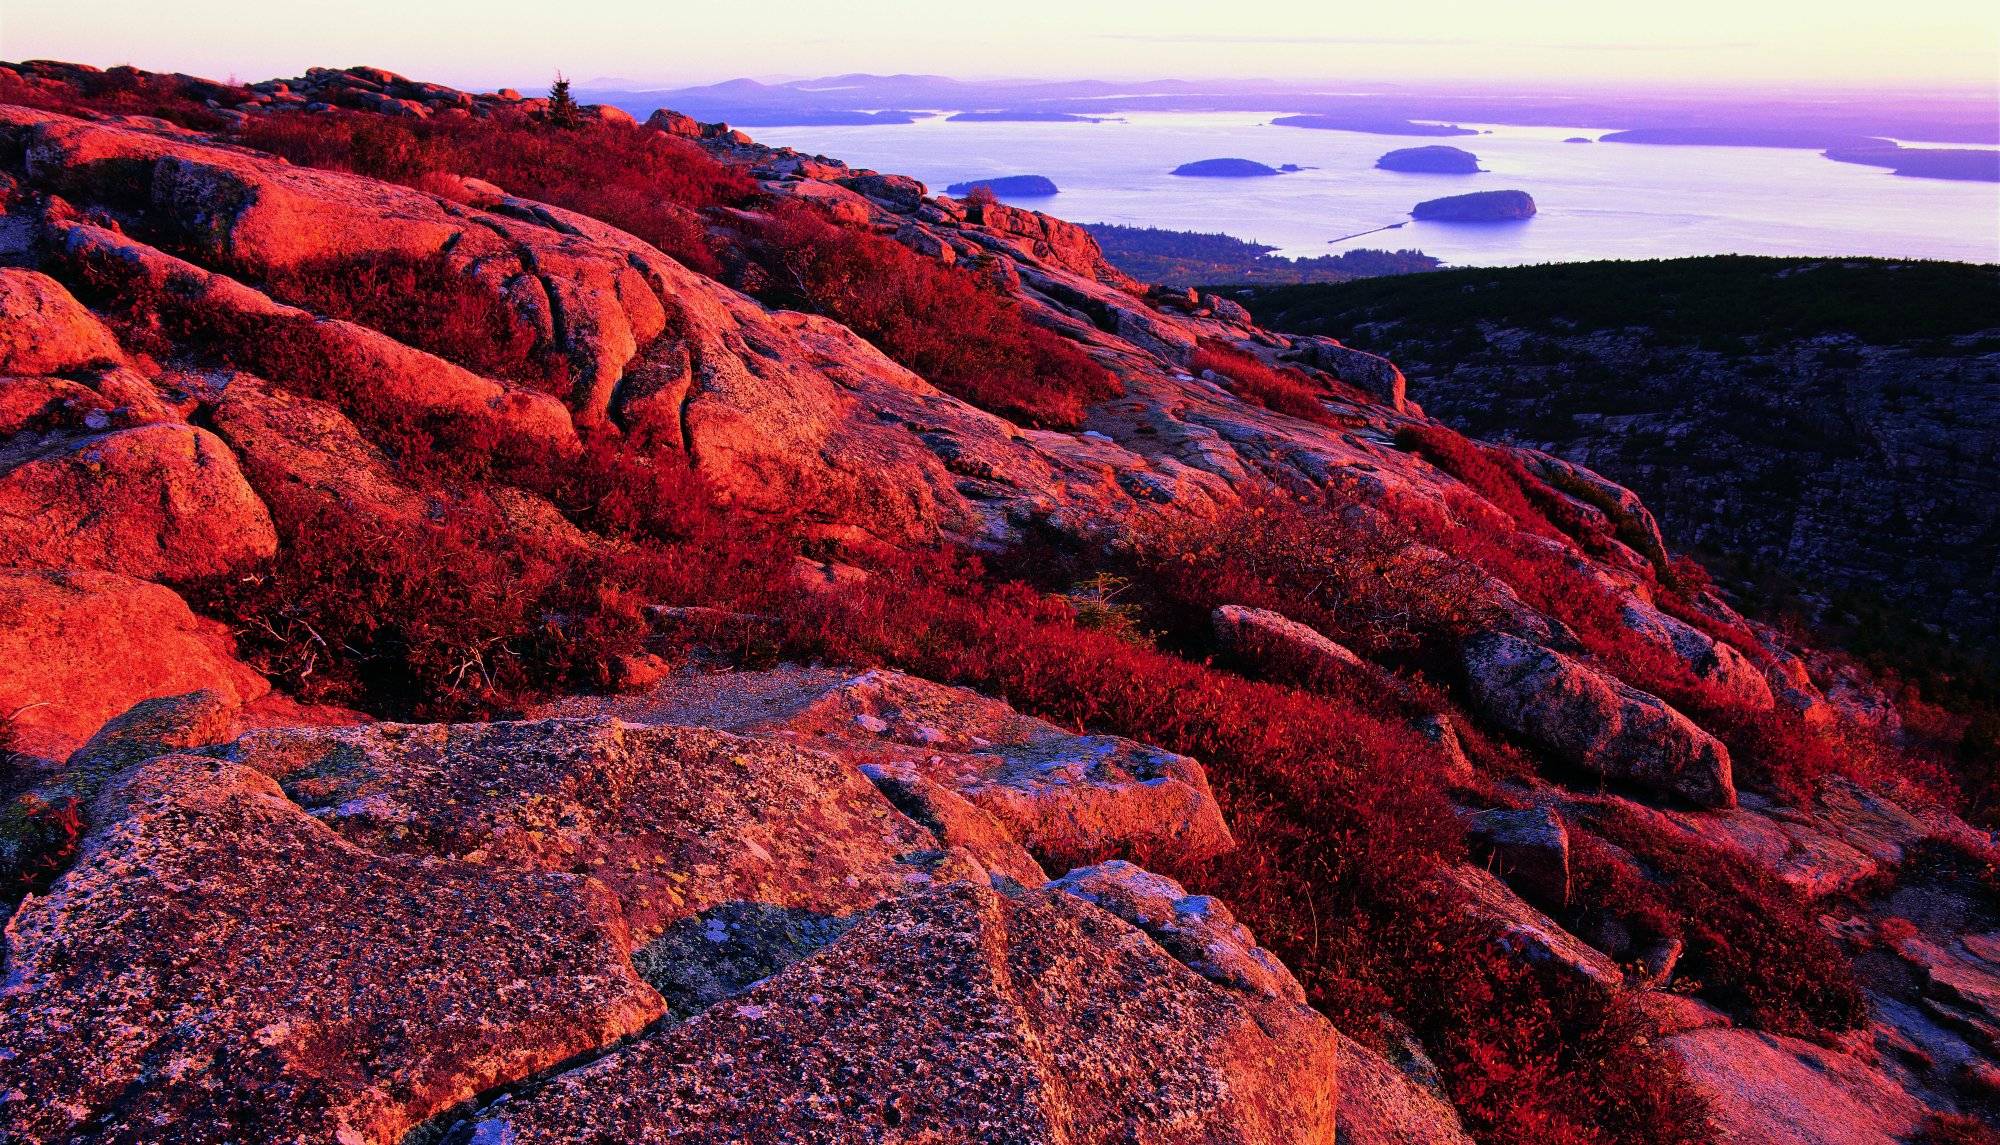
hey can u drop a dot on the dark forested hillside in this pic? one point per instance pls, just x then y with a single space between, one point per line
1822 432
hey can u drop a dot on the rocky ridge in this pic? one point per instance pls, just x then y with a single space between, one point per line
729 903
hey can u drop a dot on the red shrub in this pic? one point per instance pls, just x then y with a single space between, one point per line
1339 822
941 322
1752 942
124 91
641 181
1501 479
427 303
42 839
1280 390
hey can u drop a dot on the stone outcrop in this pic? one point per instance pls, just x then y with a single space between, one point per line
1770 1088
45 331
156 502
1059 793
77 648
1593 721
953 1015
1258 633
675 820
217 957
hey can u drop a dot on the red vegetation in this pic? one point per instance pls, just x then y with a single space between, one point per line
427 303
41 840
1753 945
1279 390
465 613
124 91
1338 828
1501 479
639 180
942 322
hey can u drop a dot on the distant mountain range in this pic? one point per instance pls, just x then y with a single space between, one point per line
1964 118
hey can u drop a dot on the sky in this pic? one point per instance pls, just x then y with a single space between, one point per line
1909 44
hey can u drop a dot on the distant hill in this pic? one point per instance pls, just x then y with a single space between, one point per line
1833 423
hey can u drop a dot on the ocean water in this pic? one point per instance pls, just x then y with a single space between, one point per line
1596 200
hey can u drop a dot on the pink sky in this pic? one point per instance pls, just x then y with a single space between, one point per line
1913 43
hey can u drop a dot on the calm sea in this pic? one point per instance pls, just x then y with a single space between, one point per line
1597 200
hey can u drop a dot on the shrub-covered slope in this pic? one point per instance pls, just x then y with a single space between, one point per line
542 632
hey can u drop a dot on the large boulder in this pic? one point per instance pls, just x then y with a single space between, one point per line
1258 634
1588 719
1062 795
1775 1090
161 501
961 1015
676 820
1383 1105
1197 929
217 965
1713 660
77 648
45 331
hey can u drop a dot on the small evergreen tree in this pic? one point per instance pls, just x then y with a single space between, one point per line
563 111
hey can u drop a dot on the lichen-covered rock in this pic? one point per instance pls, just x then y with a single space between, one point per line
1769 1089
45 331
77 648
1197 929
1381 1105
154 501
1591 720
1258 633
218 965
960 1015
674 819
1528 847
1059 794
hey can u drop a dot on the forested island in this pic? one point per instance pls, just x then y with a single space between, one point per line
1191 257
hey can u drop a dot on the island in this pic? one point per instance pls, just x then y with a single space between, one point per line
1975 164
1812 138
1478 207
1372 125
1579 139
1436 159
1225 169
1008 186
1022 115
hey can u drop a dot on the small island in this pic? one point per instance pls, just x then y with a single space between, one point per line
1008 186
1478 207
1436 159
1225 169
1579 139
1022 115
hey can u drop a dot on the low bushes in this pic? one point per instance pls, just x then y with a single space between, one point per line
1340 824
941 322
427 303
125 91
639 180
1280 390
1753 946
